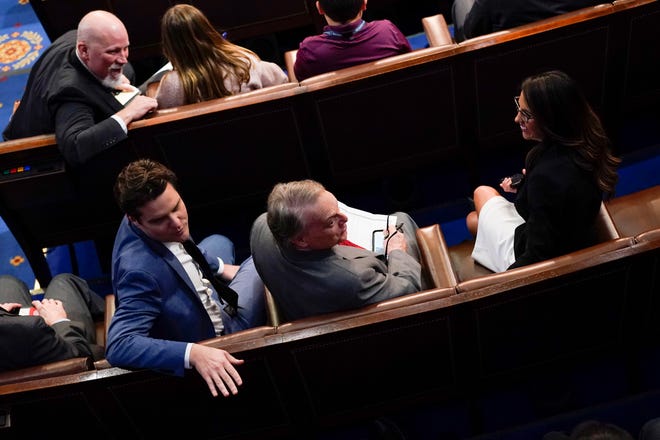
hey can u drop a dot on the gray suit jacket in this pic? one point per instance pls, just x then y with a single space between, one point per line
307 283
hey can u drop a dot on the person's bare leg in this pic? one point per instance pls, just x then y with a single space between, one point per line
481 195
471 221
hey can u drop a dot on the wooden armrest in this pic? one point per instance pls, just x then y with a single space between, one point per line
328 319
289 61
102 364
436 30
436 265
649 236
242 340
272 310
58 368
109 311
605 228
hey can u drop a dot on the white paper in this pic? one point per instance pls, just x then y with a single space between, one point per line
366 229
126 97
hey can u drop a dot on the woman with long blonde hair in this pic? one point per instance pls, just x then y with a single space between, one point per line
206 65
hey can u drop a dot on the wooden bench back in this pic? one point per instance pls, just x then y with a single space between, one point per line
456 350
635 213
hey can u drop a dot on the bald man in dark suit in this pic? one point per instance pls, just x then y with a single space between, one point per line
72 91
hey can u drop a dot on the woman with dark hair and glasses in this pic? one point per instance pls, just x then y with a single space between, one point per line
566 175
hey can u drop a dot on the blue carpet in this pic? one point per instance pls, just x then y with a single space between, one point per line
22 40
12 259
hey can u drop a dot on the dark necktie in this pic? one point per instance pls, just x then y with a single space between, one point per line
225 292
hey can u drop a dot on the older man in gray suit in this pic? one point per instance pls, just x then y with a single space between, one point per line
300 251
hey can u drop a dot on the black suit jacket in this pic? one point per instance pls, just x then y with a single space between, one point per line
63 97
559 202
27 340
488 16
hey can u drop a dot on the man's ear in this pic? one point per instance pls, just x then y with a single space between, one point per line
319 8
133 219
83 51
364 5
299 242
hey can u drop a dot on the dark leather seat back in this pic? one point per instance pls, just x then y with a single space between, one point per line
436 264
635 213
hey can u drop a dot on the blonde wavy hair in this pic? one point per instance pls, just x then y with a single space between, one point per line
200 55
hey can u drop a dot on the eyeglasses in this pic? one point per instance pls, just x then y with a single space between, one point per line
525 114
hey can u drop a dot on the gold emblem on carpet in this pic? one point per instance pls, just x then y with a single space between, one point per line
19 49
17 260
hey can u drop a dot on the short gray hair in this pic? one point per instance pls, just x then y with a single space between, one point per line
287 203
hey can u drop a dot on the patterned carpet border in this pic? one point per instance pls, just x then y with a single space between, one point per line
20 48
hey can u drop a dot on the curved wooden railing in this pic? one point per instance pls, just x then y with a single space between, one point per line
466 341
436 348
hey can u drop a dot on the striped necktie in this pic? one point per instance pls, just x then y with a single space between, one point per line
225 292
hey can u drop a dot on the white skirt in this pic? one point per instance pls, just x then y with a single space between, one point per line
493 247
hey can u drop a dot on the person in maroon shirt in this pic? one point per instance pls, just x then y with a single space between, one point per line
347 40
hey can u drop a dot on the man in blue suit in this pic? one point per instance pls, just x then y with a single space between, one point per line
166 301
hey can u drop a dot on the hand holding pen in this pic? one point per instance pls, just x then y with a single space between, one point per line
395 239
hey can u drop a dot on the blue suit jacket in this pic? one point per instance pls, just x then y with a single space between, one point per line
158 310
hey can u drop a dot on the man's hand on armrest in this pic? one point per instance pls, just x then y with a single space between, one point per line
137 108
217 368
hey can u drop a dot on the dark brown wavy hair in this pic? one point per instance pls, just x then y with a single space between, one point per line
140 182
565 117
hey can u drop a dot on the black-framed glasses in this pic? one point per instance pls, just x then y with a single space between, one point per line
525 114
